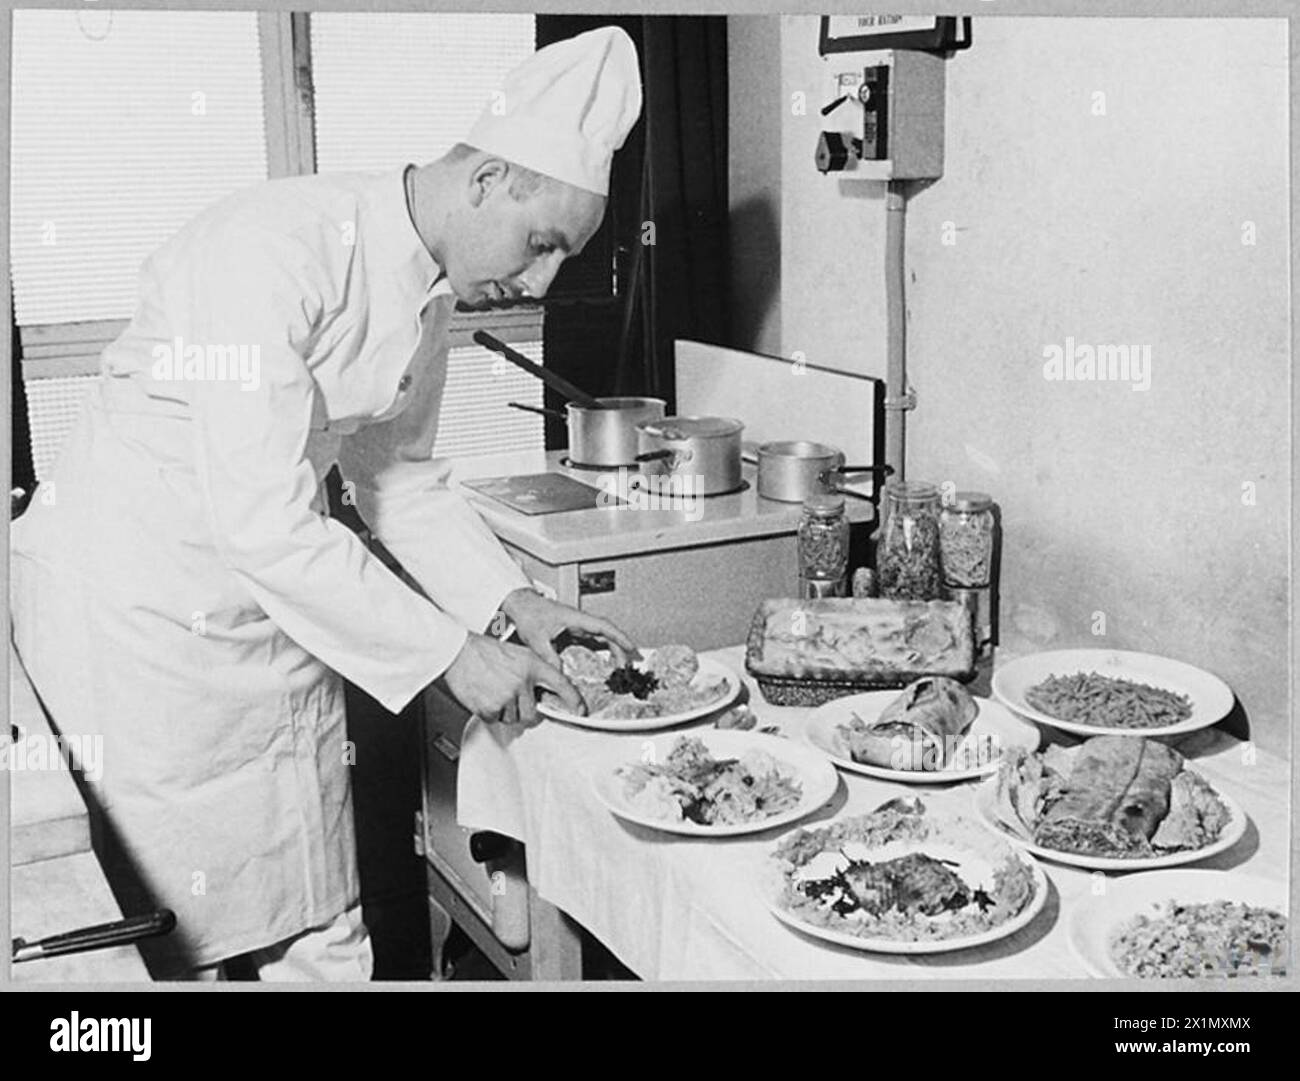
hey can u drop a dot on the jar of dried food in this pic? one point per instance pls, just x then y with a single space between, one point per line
966 540
907 556
823 547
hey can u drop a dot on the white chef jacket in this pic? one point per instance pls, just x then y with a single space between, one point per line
179 589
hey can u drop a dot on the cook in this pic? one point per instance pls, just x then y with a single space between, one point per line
178 587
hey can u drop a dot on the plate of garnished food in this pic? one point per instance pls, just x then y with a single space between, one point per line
1111 803
712 782
902 881
1097 692
933 732
668 686
1183 925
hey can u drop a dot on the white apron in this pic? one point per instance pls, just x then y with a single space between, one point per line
178 588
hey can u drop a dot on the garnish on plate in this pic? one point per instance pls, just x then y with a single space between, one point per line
631 680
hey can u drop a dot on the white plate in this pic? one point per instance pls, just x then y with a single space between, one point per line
710 671
817 777
1001 728
986 805
1211 698
1098 917
771 884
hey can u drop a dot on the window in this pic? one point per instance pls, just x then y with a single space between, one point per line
476 418
127 123
124 125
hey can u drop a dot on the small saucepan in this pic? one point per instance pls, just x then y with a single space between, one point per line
704 449
606 435
796 470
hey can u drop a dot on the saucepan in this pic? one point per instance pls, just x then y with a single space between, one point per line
703 451
796 470
602 431
605 435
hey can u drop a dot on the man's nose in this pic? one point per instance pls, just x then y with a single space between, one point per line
537 279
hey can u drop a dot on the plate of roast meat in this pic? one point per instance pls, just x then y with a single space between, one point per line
1110 803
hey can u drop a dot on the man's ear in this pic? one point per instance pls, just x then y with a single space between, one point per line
487 175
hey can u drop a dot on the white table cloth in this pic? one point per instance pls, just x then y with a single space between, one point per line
680 908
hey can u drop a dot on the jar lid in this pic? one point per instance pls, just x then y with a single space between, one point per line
971 501
911 489
824 506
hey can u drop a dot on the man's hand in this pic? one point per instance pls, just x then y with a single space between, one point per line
539 620
496 681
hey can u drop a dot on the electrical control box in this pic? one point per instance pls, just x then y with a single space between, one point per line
883 117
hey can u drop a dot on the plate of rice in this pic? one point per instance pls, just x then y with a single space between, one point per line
1099 692
1183 925
897 882
712 783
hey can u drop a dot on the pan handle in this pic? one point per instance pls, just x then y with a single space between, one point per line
552 379
99 937
830 476
655 455
537 409
878 470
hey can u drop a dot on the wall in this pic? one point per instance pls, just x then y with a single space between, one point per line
1057 220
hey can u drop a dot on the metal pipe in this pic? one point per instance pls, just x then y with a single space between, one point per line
897 399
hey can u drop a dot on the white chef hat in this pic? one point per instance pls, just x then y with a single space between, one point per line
566 109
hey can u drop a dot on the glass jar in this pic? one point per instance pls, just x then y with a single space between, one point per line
823 547
966 540
907 556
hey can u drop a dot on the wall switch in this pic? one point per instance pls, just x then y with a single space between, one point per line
887 111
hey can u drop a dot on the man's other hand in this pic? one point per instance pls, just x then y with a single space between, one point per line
498 681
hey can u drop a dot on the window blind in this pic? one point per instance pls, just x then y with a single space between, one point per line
125 124
391 88
53 406
475 418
